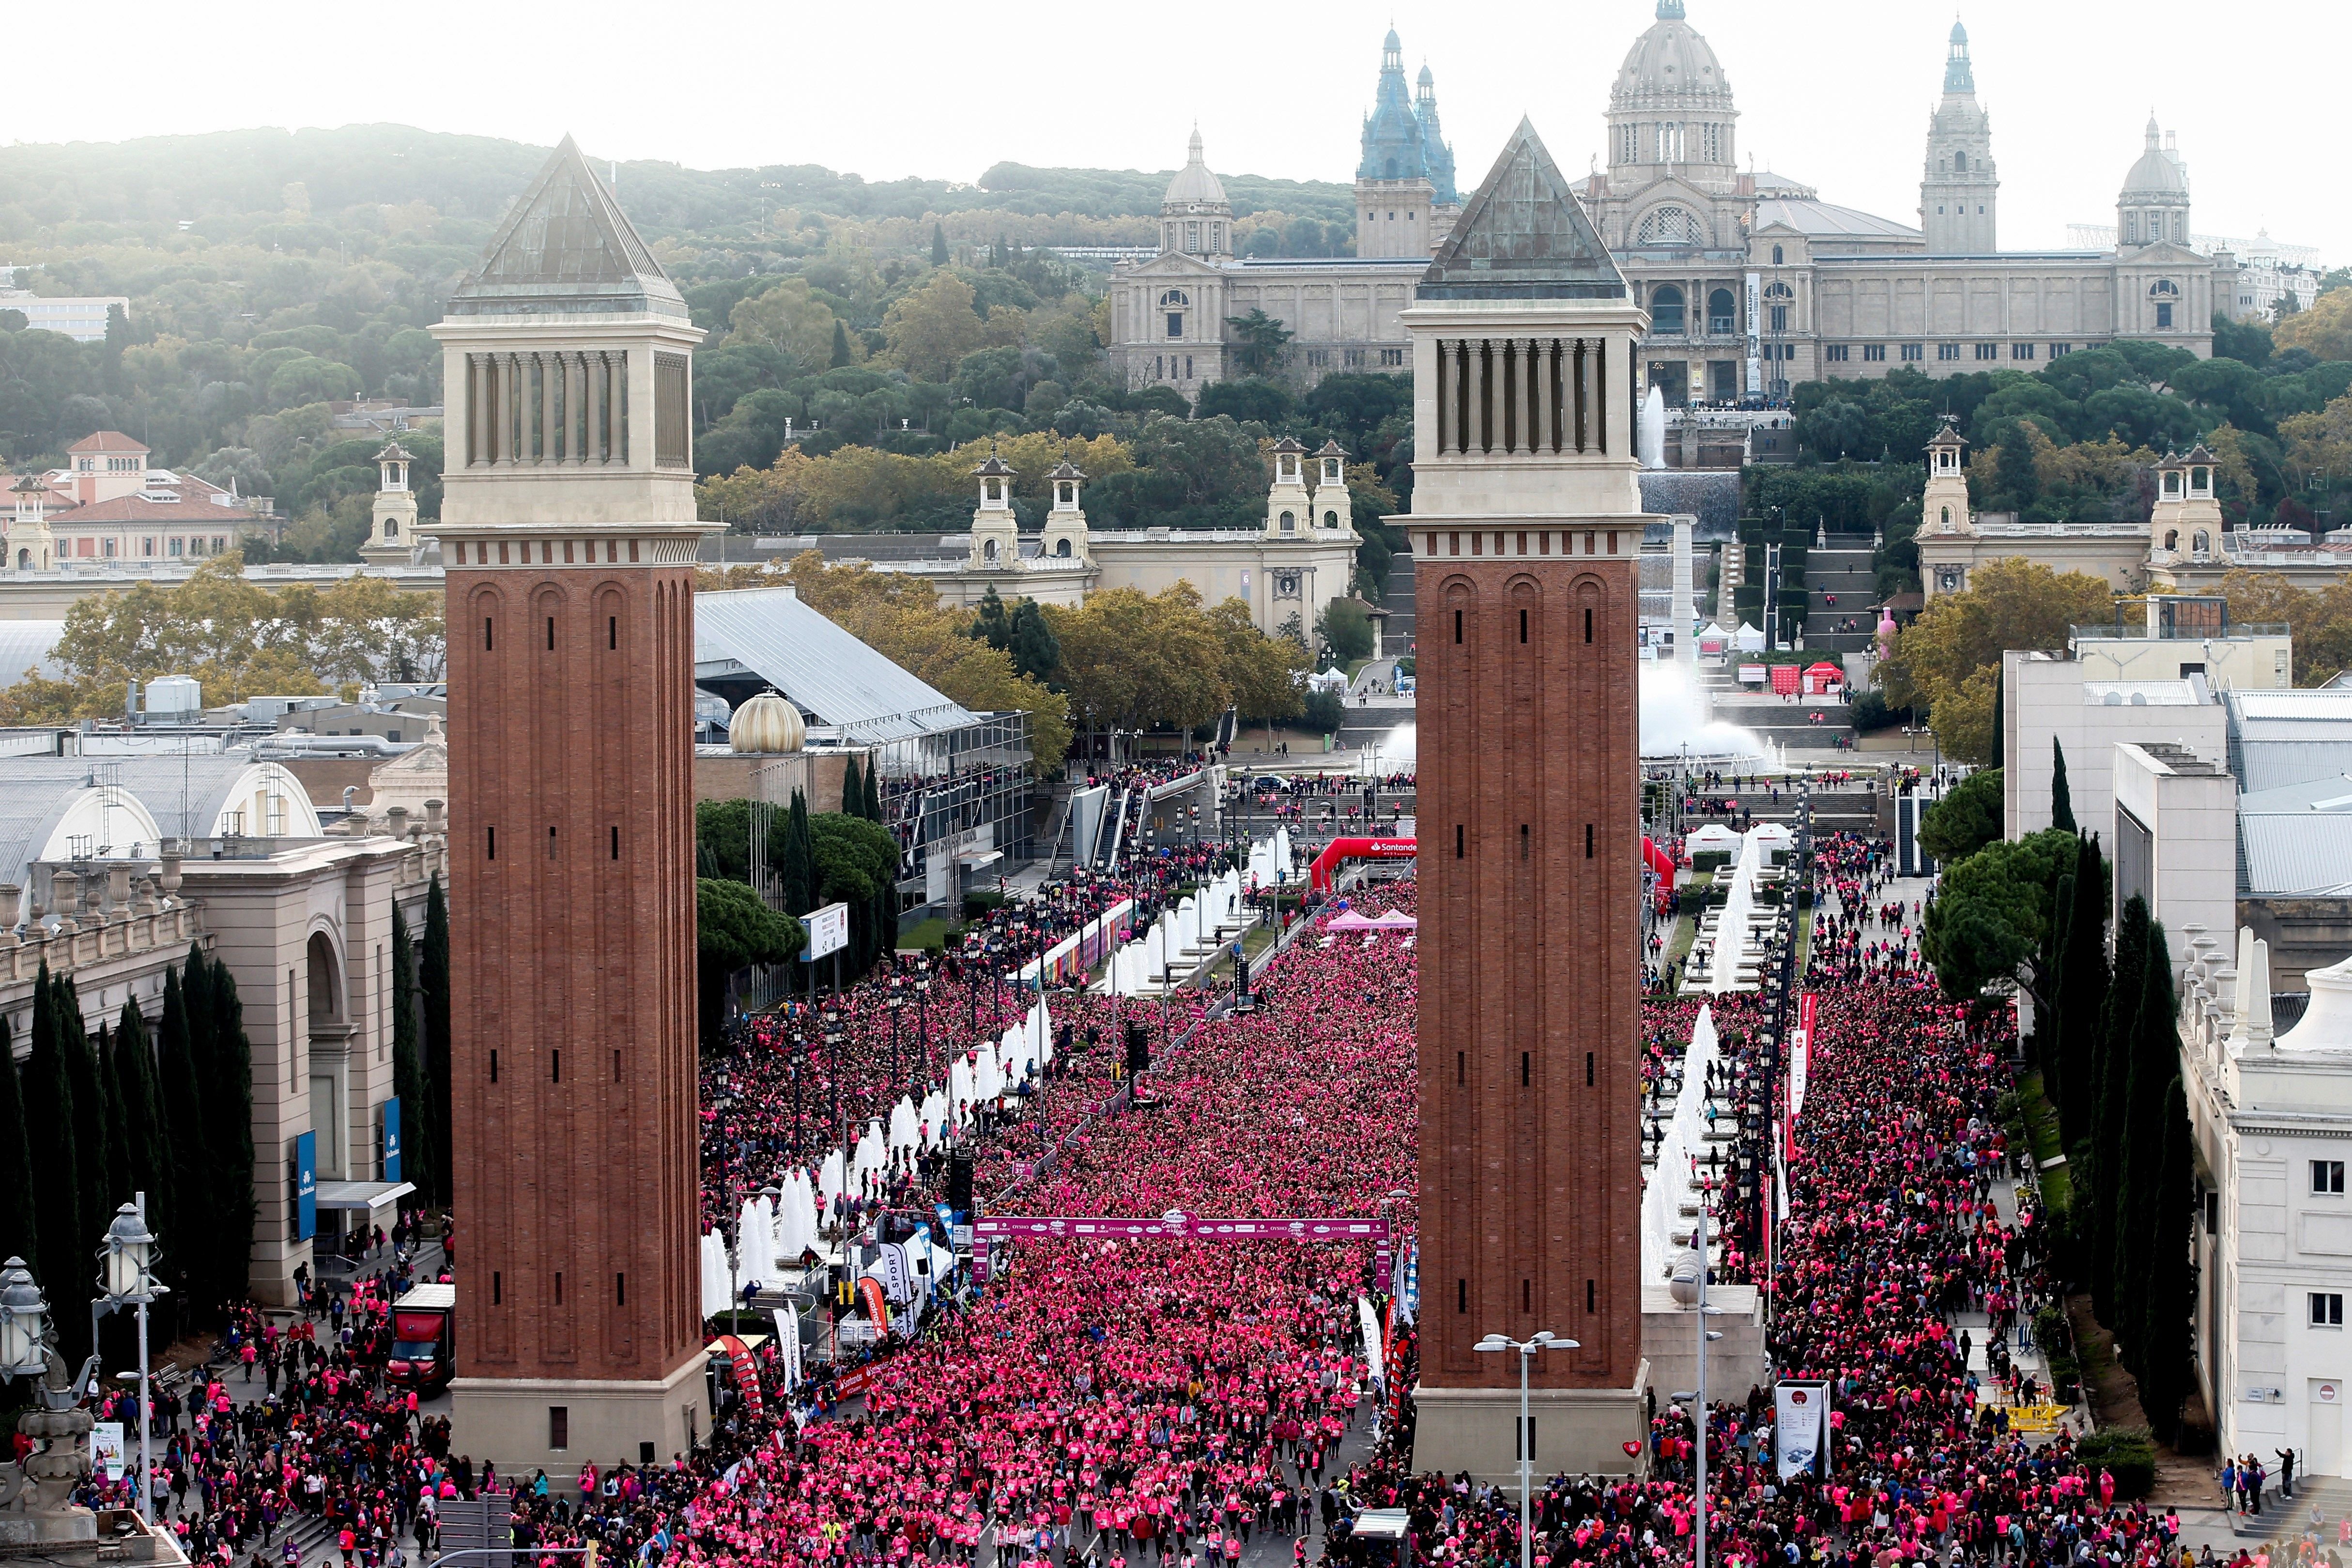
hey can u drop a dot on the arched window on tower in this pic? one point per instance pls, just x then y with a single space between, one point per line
1779 259
1779 297
1960 162
1667 309
1722 312
1667 226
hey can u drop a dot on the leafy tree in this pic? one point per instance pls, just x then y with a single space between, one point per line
2061 802
1258 342
1131 660
1246 398
930 329
1985 930
1325 712
1346 630
1951 653
1834 429
2326 329
418 1158
734 931
19 1227
1968 818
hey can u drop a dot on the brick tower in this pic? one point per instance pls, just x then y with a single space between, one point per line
1527 526
568 532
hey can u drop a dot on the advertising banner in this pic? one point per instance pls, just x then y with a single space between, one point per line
106 1447
1801 1427
1371 1325
1801 1055
392 1139
306 1186
828 931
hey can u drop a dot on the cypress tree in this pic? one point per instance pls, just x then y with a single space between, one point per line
2048 1040
853 788
2164 1380
228 1110
2084 963
2094 1194
144 1129
938 245
873 791
2062 804
19 1228
121 1183
2155 1063
94 1144
2000 717
196 1232
433 989
416 1162
49 1130
798 869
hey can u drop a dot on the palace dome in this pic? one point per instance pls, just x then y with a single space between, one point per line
1668 64
1193 186
2158 172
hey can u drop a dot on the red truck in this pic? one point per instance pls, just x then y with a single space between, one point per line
423 1338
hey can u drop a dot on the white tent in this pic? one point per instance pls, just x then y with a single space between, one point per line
1747 639
755 1245
716 1298
1712 836
873 1153
1771 836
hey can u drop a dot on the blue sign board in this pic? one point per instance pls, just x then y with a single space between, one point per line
392 1139
306 1186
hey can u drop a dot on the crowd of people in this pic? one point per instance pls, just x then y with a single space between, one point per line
1125 1401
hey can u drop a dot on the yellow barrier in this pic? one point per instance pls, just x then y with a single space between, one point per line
2037 1418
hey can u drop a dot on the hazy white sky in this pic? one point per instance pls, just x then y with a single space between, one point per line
1832 92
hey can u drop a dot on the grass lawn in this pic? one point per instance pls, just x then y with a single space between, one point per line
1679 944
2042 1126
931 932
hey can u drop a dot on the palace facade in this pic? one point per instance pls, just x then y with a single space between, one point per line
1750 280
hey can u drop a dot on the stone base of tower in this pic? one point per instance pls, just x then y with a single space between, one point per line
511 1419
1578 1431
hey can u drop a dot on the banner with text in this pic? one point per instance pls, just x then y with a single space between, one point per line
1800 1428
1181 1227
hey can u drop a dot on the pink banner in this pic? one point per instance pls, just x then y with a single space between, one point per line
1184 1227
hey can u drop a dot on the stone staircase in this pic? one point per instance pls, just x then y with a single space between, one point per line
1840 567
2283 1521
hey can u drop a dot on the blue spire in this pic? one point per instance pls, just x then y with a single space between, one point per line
1957 76
1394 138
1435 153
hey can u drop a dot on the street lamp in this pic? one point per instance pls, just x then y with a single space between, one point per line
1543 1340
24 1322
895 1001
1697 1398
122 1275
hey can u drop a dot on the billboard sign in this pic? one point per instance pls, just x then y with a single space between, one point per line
828 931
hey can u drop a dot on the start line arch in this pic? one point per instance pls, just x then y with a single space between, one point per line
1318 874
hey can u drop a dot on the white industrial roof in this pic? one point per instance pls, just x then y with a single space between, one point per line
2138 694
1827 220
768 634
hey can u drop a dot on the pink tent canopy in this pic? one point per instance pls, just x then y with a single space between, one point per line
1395 920
1351 921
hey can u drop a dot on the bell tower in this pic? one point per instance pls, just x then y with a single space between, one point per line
391 531
567 532
1958 192
1527 529
1943 506
31 546
996 527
